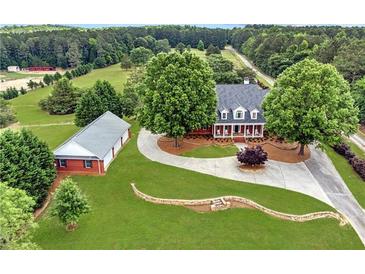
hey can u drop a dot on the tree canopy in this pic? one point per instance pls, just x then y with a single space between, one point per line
179 94
140 56
358 92
69 204
63 98
7 116
100 98
26 163
16 219
310 102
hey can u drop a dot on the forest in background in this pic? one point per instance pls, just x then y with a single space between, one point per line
272 48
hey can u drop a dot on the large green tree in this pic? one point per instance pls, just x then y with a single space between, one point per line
88 108
63 98
26 163
16 219
69 204
358 92
93 103
350 60
140 56
179 95
310 102
133 89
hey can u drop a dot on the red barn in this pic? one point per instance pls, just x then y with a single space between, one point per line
92 149
44 68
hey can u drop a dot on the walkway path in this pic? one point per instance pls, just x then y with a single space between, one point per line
316 177
248 63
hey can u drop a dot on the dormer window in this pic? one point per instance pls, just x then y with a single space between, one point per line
254 114
239 114
224 115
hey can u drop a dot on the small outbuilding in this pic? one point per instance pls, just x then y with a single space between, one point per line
13 68
92 149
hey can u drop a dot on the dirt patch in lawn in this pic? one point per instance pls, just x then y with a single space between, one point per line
189 143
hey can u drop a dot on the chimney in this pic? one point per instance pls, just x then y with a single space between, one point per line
246 81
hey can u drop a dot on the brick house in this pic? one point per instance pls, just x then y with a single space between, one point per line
239 112
92 149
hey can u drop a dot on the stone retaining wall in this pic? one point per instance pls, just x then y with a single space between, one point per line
244 202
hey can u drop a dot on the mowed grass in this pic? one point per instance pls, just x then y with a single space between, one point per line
29 113
54 135
348 174
212 151
7 76
120 220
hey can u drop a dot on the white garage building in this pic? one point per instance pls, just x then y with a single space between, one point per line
92 149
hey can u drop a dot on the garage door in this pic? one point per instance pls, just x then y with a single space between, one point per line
107 159
125 137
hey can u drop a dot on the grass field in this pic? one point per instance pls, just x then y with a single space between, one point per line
213 151
29 113
351 178
120 220
4 75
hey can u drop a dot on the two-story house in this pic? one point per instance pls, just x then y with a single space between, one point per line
239 112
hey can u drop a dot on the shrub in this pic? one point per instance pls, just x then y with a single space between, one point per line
252 156
359 166
344 150
10 93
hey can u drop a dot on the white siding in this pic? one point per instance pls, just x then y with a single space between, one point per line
125 137
107 159
117 146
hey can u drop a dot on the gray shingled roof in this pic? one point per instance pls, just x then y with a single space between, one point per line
98 137
248 96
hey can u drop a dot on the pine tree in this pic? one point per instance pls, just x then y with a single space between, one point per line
88 108
26 163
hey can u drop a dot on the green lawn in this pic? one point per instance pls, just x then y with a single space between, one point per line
120 220
355 149
29 113
54 135
351 178
4 75
213 151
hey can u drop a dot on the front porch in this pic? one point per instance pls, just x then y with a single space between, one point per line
236 131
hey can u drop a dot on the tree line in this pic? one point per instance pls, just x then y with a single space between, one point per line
275 48
72 47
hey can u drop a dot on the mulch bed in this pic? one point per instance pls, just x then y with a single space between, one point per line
279 150
252 168
189 143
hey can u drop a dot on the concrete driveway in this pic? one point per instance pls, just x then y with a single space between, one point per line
294 177
316 177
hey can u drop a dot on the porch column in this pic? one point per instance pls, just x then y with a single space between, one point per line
213 131
244 131
253 130
232 131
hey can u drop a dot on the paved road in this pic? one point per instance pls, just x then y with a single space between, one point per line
336 190
316 177
249 64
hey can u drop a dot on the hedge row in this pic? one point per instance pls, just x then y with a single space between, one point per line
357 164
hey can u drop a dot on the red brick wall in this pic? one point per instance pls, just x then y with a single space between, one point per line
77 166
